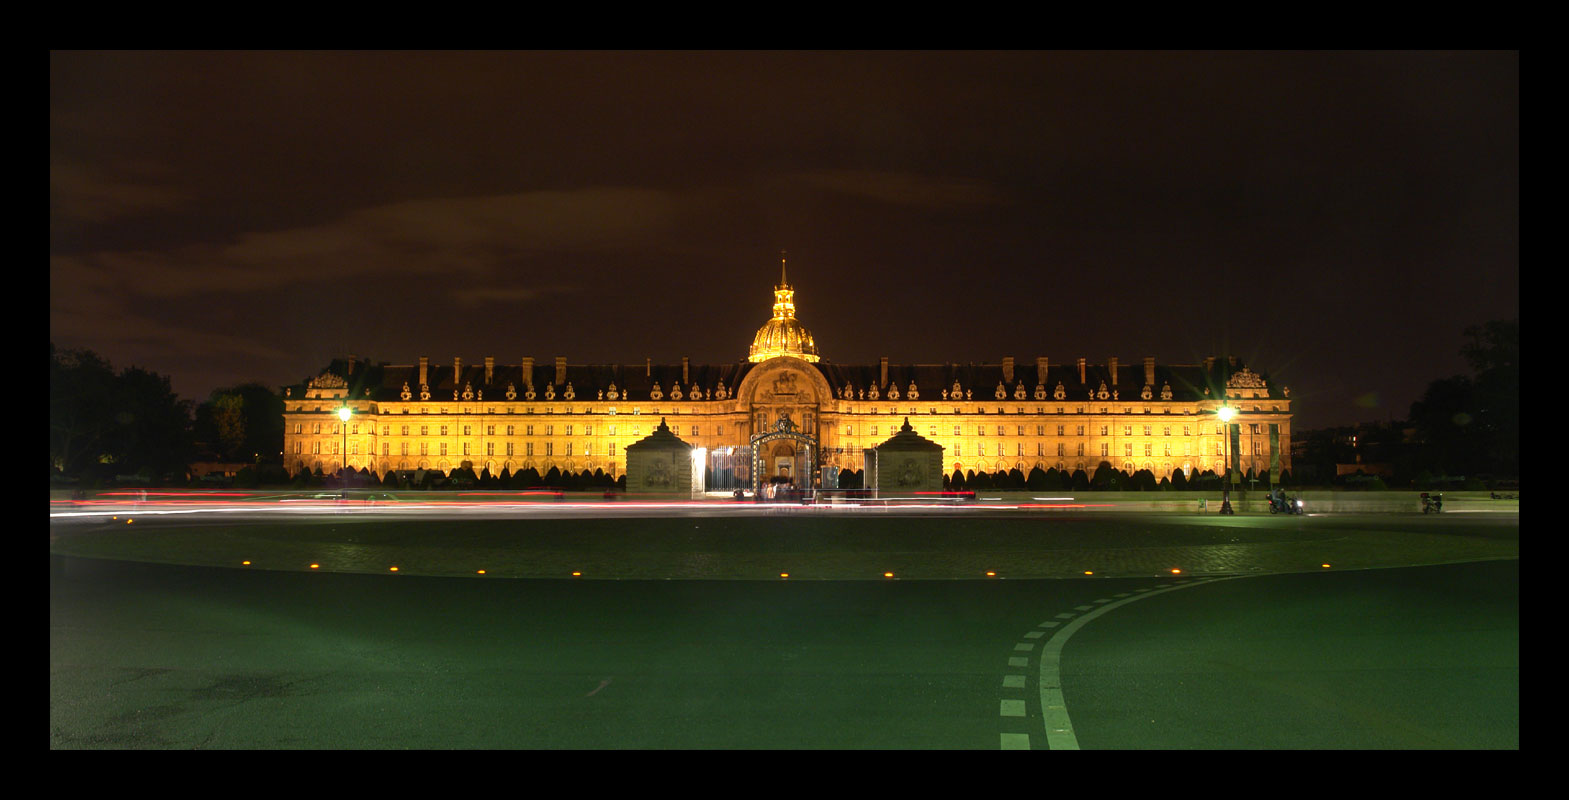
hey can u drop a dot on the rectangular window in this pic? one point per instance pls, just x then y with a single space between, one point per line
386 448
1059 448
1149 430
443 448
443 430
1104 449
588 430
1040 449
1081 448
1165 430
1040 430
317 428
424 449
569 448
386 429
1080 432
1148 448
528 448
509 448
1105 430
956 430
465 448
1018 448
694 431
405 431
874 430
1127 450
315 448
550 448
424 430
490 430
1059 430
528 430
550 430
569 430
509 433
999 430
1127 430
354 448
1166 449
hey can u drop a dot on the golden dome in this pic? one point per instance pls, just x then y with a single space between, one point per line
783 335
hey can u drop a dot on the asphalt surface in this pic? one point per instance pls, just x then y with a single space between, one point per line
1408 640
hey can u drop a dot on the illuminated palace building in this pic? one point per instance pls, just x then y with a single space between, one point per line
785 411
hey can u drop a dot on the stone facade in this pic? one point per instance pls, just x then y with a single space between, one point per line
660 463
907 462
985 416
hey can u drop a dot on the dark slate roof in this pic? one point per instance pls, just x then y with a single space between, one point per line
1188 382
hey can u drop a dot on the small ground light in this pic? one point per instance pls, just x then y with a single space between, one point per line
990 574
1176 571
245 563
1088 572
1325 566
784 574
315 566
392 569
577 574
129 521
479 572
887 574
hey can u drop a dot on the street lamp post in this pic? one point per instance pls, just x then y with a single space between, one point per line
1226 413
343 455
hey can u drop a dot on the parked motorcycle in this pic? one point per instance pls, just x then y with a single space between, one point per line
1432 504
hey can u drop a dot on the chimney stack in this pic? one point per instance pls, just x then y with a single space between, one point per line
686 365
561 370
490 369
883 363
1209 364
351 365
1007 369
528 371
1082 377
457 370
1113 365
1149 370
1040 370
424 362
648 367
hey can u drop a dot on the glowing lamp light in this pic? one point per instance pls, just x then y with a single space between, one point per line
315 566
990 574
784 574
245 563
1226 413
887 574
479 572
1325 566
1176 571
129 521
344 413
1087 572
392 569
577 574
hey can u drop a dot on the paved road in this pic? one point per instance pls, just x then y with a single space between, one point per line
154 656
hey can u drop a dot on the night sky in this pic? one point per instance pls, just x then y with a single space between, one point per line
1335 219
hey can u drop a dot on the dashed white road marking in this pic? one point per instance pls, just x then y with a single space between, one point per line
1016 741
1066 615
1048 624
1082 608
1024 647
1018 661
1103 600
1054 710
1013 708
1013 681
1034 634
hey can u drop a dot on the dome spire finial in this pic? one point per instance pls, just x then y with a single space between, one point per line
782 281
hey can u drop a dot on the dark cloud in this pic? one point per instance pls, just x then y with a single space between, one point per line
1340 216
